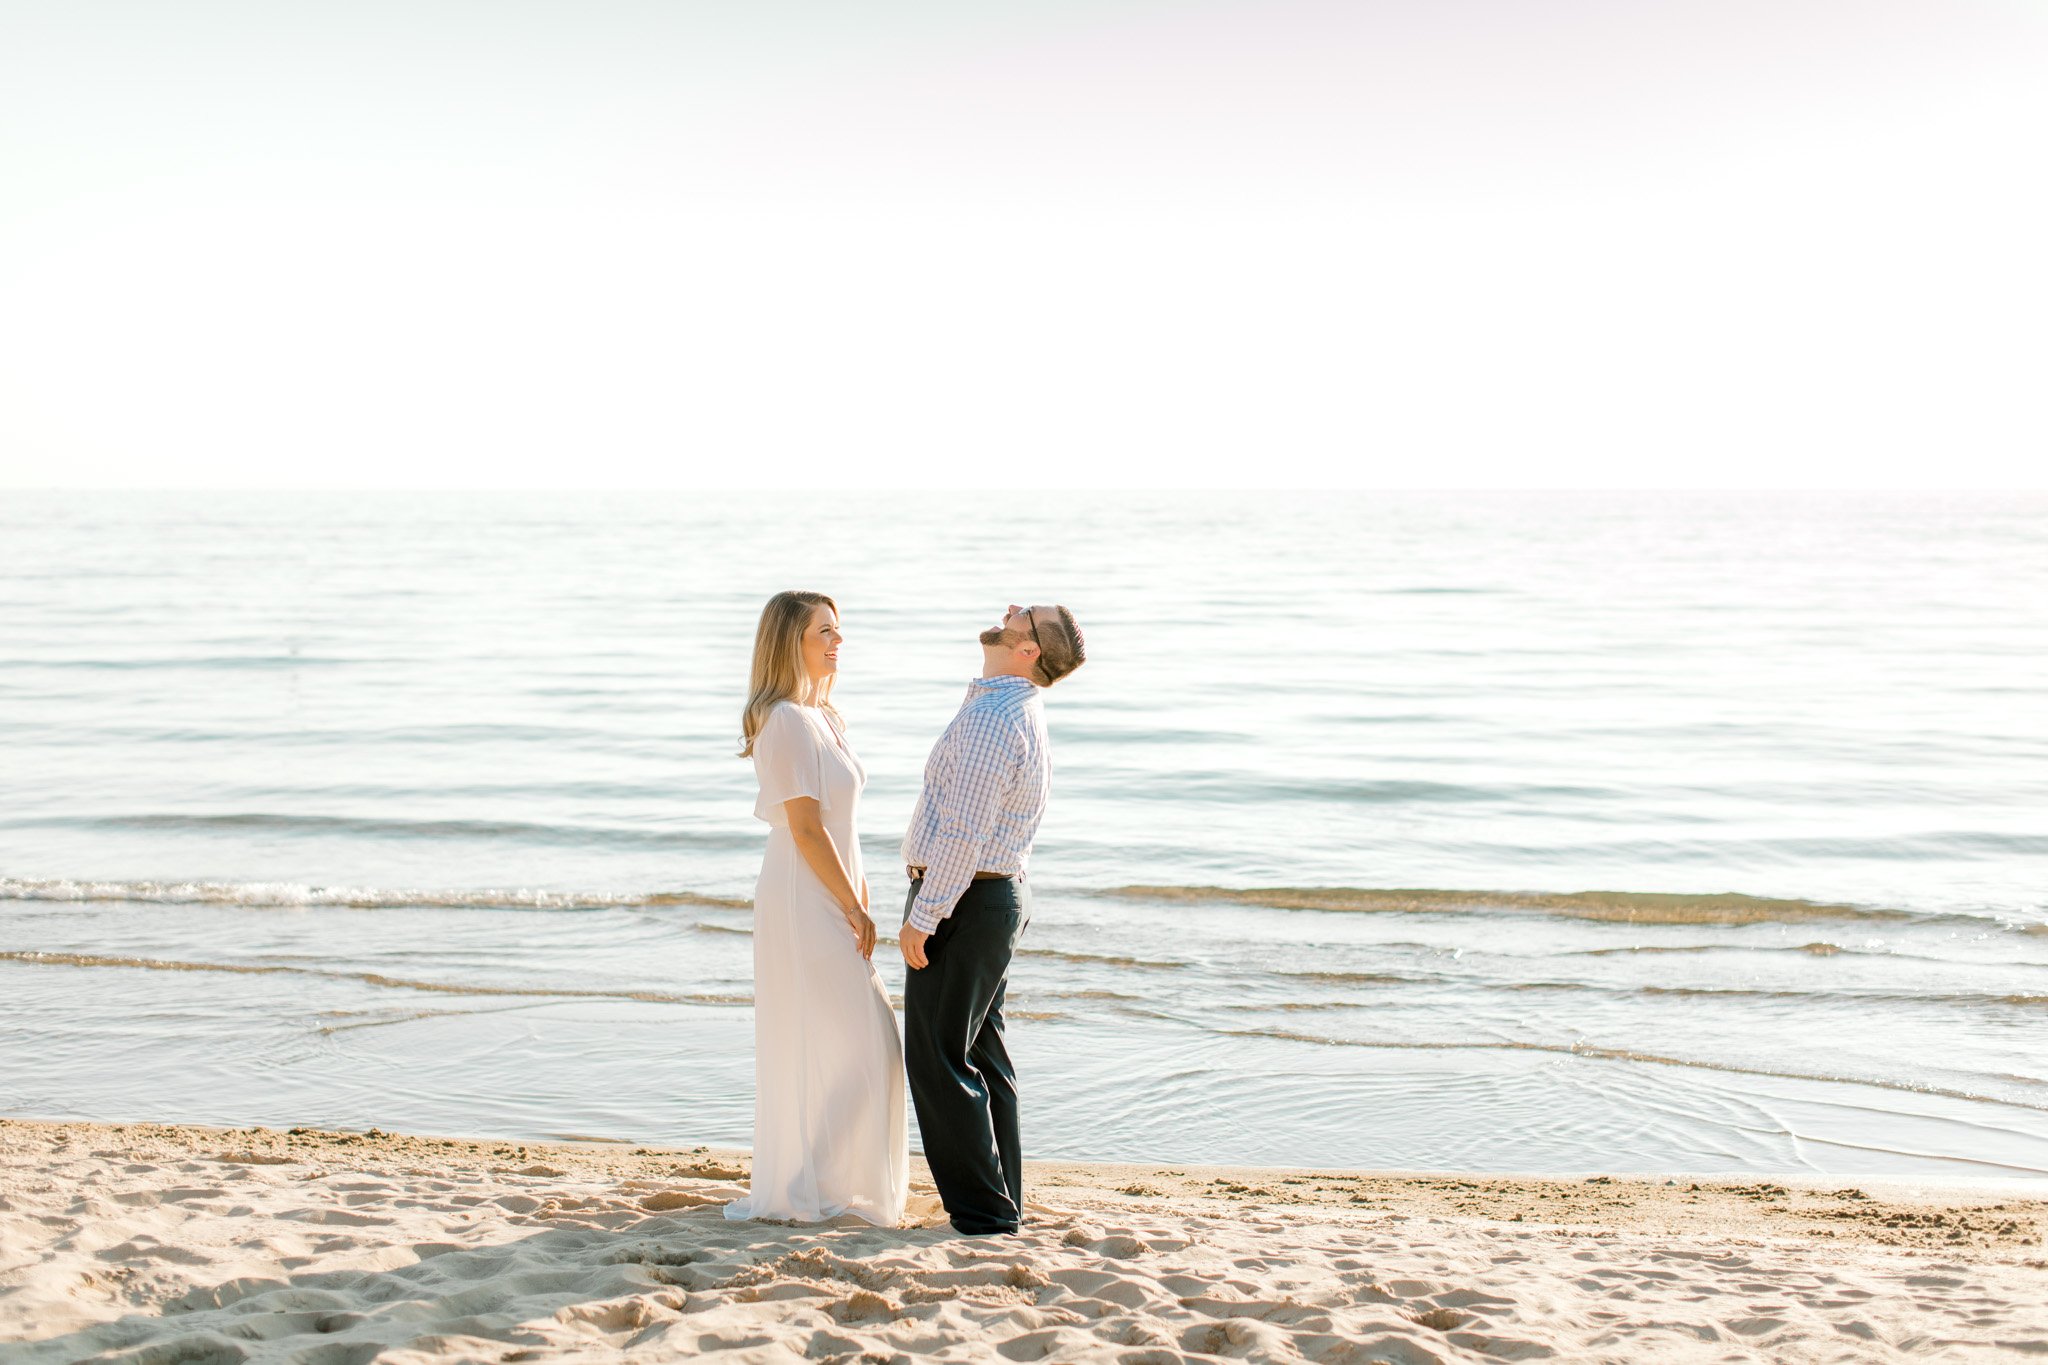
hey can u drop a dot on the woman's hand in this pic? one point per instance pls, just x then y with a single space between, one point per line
864 932
863 926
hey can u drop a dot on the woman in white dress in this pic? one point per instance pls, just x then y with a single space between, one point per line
830 1131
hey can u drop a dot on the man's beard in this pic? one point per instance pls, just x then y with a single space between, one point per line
996 635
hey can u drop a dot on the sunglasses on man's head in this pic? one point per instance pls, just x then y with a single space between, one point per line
1031 618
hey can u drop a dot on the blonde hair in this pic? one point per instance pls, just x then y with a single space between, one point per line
778 673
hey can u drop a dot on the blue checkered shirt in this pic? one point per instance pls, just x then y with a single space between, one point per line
985 788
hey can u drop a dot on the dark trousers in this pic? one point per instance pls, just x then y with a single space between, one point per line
961 1080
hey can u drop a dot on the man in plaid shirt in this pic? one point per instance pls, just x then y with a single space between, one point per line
985 789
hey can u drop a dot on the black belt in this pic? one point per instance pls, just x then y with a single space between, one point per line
917 875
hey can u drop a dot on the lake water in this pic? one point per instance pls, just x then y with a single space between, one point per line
1562 832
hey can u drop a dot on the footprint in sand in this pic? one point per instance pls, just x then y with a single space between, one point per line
149 1249
203 1348
620 1315
337 1353
652 1253
863 1305
334 1217
1238 1337
1056 1343
1131 1332
426 1251
1120 1246
177 1194
278 1296
677 1199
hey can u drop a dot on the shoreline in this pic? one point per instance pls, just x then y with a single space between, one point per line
331 1247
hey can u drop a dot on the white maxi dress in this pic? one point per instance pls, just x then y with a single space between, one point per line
830 1130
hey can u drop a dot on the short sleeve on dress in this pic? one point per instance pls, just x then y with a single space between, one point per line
788 763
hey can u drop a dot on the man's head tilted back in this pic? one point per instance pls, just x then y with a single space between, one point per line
1040 643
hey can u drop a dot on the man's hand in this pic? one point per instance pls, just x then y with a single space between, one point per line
911 940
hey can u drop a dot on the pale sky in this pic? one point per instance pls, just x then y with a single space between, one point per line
1121 243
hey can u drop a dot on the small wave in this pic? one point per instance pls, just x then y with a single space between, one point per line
688 898
1624 907
295 895
1361 978
1815 949
200 661
43 958
1810 949
525 832
1843 995
1298 1006
1622 1054
1100 959
1481 984
414 1016
1236 788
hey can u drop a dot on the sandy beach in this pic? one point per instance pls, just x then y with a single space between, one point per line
161 1244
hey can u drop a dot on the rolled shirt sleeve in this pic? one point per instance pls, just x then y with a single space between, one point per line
966 790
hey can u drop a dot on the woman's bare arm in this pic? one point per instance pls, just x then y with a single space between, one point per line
814 841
